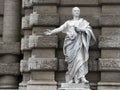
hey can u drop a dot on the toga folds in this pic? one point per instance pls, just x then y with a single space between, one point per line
76 46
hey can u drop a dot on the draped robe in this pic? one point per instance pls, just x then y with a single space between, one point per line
76 46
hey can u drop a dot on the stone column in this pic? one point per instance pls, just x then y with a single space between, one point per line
11 45
109 63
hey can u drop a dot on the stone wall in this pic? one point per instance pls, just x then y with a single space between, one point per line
42 66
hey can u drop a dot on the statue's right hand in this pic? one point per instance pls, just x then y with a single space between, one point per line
48 32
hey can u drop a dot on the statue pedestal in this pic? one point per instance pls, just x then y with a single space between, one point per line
74 86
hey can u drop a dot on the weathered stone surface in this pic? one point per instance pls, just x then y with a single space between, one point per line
42 64
110 20
9 69
30 3
1 25
111 9
10 48
109 41
24 66
1 7
25 22
109 64
44 53
93 60
93 77
48 20
108 86
93 19
74 86
45 9
45 2
41 85
25 44
33 19
27 11
79 2
110 76
62 65
83 10
110 1
41 30
110 31
110 53
42 75
44 19
46 42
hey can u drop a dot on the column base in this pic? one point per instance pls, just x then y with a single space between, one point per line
108 86
41 85
74 86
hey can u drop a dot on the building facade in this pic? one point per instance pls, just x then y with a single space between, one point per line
29 60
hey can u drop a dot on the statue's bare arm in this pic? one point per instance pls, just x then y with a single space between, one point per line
57 30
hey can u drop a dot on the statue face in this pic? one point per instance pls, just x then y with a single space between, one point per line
76 11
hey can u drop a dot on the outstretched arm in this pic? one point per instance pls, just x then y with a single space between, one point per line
57 30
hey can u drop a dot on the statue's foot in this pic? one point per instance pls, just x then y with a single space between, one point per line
77 81
71 81
83 80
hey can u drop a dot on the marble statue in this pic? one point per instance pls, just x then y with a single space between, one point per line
76 46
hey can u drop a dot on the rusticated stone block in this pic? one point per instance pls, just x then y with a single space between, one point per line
110 64
42 64
109 1
44 19
110 53
45 9
25 22
45 2
83 10
25 44
41 30
110 76
30 3
44 42
44 53
79 2
93 19
108 86
24 66
10 48
110 20
113 31
9 69
48 20
109 41
111 9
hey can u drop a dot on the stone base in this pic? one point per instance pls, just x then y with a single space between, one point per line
108 86
41 85
74 86
23 86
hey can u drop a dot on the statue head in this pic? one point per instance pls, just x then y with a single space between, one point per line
76 11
